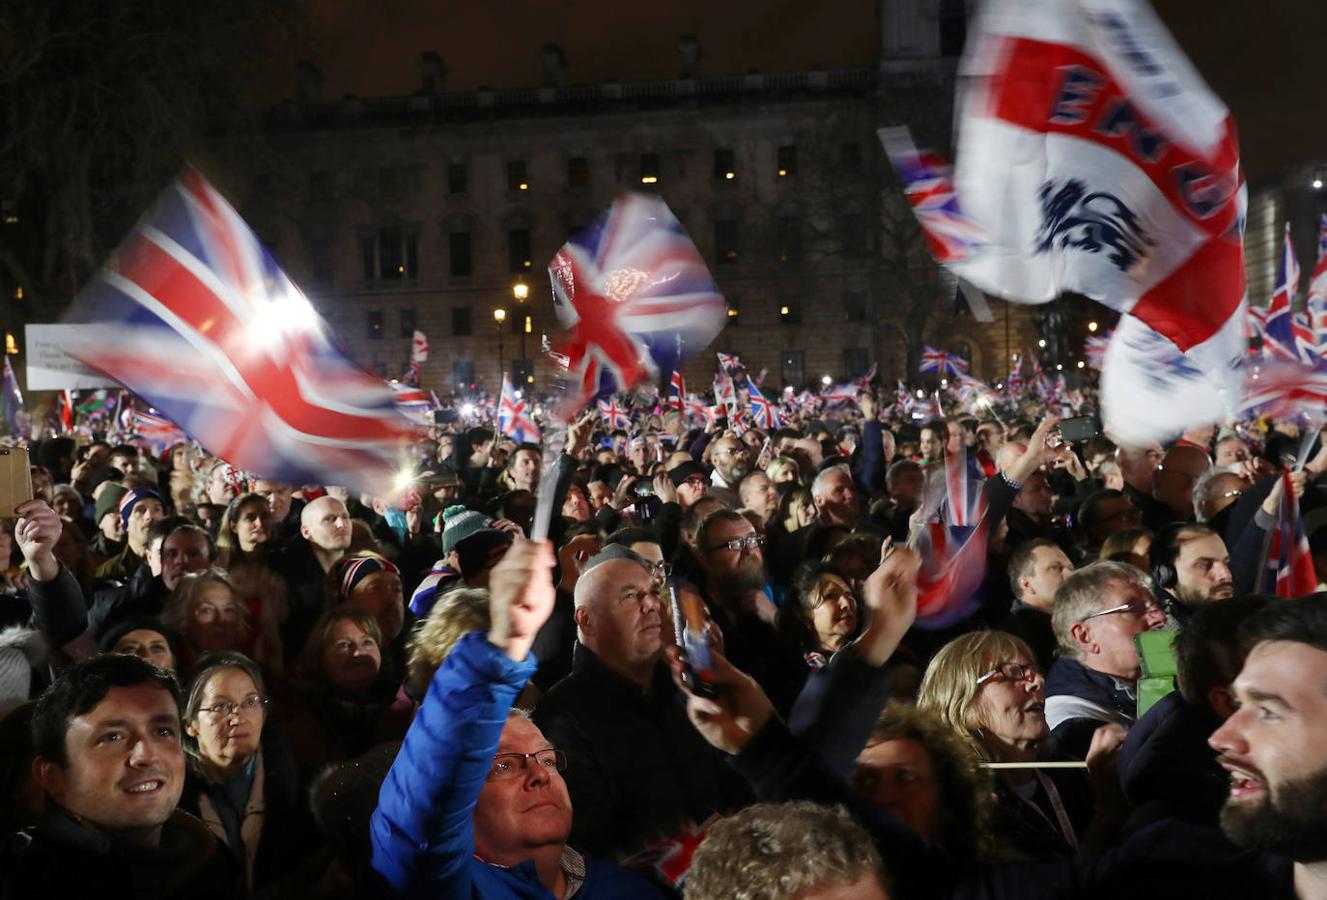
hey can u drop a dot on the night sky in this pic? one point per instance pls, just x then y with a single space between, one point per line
1259 56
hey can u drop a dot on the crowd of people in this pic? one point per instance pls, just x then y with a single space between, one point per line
712 679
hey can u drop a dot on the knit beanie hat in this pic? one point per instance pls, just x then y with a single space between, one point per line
351 570
132 499
458 523
109 500
483 548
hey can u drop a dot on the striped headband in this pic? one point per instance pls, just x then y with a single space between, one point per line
356 568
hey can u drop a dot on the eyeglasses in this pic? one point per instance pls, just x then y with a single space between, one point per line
1011 672
737 545
225 709
661 569
508 765
1137 610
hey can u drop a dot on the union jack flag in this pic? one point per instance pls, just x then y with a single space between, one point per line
933 360
158 430
840 393
1317 301
1039 384
1287 563
615 417
929 186
953 555
419 347
414 404
1279 331
864 383
962 493
1306 347
729 364
211 332
514 419
904 402
677 391
1281 388
764 412
629 290
1095 349
695 406
410 377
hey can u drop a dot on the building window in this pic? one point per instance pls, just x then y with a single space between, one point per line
786 165
458 251
850 157
461 321
790 240
725 241
522 372
517 178
408 323
734 310
790 311
375 324
649 168
792 365
578 172
458 178
322 267
856 360
854 307
463 373
725 165
390 254
852 235
518 249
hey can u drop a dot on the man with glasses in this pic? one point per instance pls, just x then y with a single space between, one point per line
732 461
1098 612
732 561
475 804
617 716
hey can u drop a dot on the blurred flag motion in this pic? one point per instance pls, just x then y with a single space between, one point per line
212 333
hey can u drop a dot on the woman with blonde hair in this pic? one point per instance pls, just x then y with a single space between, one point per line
985 686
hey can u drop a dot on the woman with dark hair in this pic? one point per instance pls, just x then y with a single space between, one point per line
205 610
145 638
243 539
241 779
820 615
340 703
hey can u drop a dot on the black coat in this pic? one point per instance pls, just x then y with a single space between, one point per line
636 767
1167 769
59 858
288 834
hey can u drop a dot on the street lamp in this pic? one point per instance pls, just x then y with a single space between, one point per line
500 316
520 290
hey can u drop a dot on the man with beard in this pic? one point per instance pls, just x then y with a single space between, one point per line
616 715
732 562
1273 744
1190 568
732 460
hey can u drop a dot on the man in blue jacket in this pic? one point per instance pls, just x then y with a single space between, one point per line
475 804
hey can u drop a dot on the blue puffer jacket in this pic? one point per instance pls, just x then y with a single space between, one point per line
422 840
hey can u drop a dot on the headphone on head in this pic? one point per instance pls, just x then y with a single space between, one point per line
1163 552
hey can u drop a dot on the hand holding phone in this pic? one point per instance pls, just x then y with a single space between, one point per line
689 629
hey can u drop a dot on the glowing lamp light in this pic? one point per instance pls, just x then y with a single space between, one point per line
729 175
1091 326
1042 343
920 393
1317 184
523 186
520 290
783 173
1059 367
1081 364
944 382
824 379
649 179
467 409
499 315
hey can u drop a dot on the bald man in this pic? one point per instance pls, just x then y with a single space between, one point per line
303 564
636 768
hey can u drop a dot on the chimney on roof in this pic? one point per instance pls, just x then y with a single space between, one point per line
555 64
308 82
432 73
688 53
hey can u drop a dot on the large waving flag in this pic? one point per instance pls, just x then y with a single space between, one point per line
615 415
210 332
514 419
630 289
953 556
1096 161
929 186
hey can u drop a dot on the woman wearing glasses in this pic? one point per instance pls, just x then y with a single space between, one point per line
986 687
241 780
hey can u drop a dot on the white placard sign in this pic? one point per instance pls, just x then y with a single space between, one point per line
51 369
